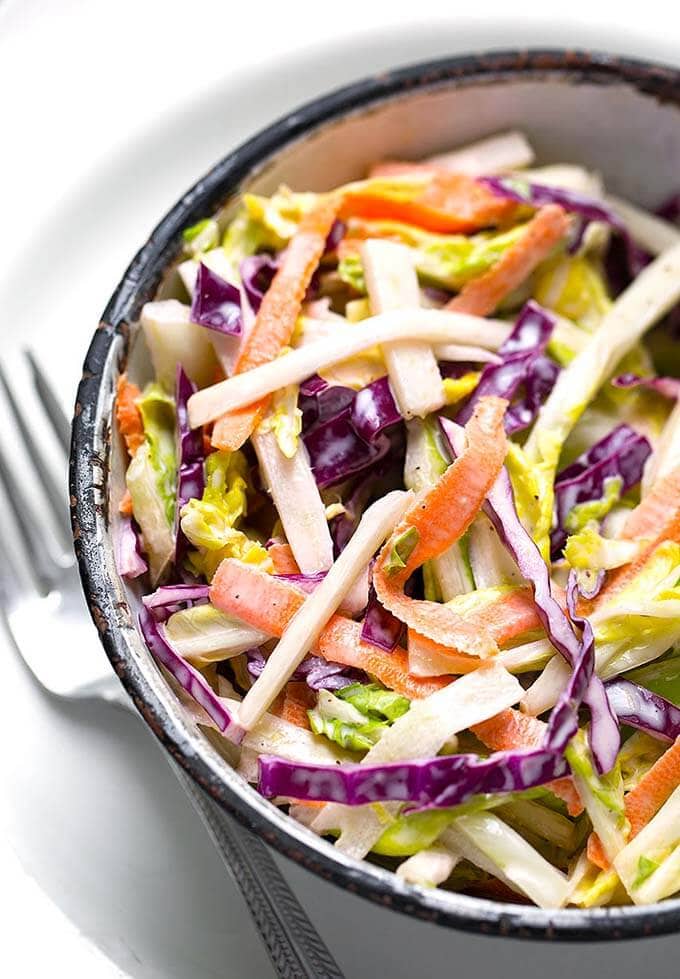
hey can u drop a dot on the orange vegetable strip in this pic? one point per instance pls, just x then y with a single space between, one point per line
653 789
277 317
482 295
656 518
644 801
128 415
510 730
292 705
267 603
451 203
282 558
437 520
125 505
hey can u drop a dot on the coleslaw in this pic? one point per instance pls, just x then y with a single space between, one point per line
402 506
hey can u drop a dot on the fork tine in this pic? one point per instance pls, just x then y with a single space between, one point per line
10 587
54 496
53 409
43 568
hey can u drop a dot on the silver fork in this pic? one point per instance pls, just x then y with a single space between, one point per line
49 601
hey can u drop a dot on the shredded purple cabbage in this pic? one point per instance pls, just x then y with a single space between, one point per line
380 628
128 550
524 366
316 672
216 303
620 454
168 598
189 678
190 474
537 195
335 235
257 274
500 508
374 409
638 707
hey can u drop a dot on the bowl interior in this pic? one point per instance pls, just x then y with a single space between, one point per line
633 139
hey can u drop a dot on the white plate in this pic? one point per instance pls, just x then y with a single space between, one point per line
112 110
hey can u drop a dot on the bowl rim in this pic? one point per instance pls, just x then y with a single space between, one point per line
89 473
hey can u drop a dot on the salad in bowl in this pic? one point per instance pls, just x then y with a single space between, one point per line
403 502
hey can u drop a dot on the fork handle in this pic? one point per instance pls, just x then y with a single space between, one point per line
294 946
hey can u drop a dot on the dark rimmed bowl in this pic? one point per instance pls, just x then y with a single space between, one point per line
619 116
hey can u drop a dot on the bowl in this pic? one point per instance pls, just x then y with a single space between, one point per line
575 106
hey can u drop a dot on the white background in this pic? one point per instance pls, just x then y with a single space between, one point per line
108 110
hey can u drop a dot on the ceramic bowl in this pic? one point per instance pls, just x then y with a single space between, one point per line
617 116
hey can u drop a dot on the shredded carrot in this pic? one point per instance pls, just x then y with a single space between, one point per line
644 801
268 603
128 416
277 317
282 558
450 203
481 295
510 730
293 703
435 522
125 505
656 519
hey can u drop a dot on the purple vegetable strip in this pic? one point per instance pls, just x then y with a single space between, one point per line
188 678
216 303
380 628
320 401
638 707
176 595
305 582
538 384
523 365
190 475
500 508
335 235
439 782
374 409
336 451
620 454
127 550
343 526
524 192
257 273
669 387
316 672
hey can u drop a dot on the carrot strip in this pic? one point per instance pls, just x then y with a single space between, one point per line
510 730
125 505
644 801
595 852
505 618
292 705
282 558
452 203
128 415
435 522
268 603
481 295
657 519
277 317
